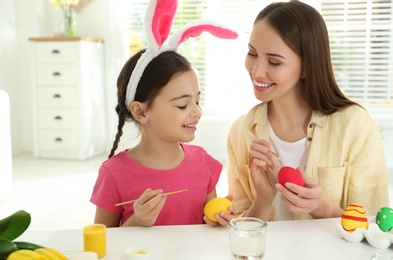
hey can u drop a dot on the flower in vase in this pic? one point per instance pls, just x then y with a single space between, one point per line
68 15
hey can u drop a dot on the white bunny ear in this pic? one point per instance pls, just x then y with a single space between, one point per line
158 21
158 24
195 29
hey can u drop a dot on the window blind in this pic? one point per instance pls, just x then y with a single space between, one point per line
361 37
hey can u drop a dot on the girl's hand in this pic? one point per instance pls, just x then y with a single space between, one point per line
223 218
264 167
309 199
147 207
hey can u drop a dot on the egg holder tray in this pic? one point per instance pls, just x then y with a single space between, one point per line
373 234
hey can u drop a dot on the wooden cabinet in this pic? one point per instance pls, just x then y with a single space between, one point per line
68 97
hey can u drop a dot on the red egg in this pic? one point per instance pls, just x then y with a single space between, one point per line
289 174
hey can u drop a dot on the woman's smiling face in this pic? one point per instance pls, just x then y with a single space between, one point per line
275 70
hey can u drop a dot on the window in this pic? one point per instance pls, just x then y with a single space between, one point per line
361 34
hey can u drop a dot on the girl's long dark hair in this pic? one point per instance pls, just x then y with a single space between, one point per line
155 76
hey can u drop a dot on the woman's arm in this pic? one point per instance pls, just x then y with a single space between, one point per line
368 183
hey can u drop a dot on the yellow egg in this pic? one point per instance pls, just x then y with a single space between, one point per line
215 206
353 217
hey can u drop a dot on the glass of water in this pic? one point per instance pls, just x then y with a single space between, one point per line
382 256
247 238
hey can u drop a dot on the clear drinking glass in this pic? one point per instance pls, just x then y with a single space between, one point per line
247 238
382 256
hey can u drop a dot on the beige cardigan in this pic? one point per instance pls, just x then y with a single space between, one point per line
345 156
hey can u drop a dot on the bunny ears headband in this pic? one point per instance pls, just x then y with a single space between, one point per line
158 23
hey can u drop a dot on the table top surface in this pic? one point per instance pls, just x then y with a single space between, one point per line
301 239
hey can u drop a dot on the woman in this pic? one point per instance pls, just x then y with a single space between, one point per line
307 122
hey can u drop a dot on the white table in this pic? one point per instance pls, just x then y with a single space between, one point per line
307 239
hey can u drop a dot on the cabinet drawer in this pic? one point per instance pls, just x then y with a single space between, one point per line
60 97
56 52
57 118
57 140
56 74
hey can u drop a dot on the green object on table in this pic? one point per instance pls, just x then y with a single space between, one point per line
384 219
6 248
14 225
27 245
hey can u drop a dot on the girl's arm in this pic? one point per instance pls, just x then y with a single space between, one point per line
146 209
211 195
106 217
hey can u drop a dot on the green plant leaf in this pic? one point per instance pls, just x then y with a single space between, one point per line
14 225
6 248
27 245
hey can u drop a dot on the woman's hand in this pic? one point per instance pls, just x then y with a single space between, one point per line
223 218
146 208
264 167
309 199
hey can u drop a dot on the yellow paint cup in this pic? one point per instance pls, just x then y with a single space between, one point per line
94 239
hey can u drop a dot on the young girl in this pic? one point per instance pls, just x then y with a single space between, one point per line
158 89
306 119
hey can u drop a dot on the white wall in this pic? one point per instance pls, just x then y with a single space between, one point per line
8 63
5 145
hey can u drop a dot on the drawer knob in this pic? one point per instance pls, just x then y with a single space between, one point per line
58 139
56 74
57 96
58 118
55 51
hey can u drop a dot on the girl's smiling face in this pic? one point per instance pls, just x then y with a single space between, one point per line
275 70
175 112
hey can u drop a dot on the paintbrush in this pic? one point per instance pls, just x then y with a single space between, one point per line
276 155
164 194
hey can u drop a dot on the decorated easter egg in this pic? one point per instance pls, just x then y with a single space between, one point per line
353 217
215 206
384 219
289 174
